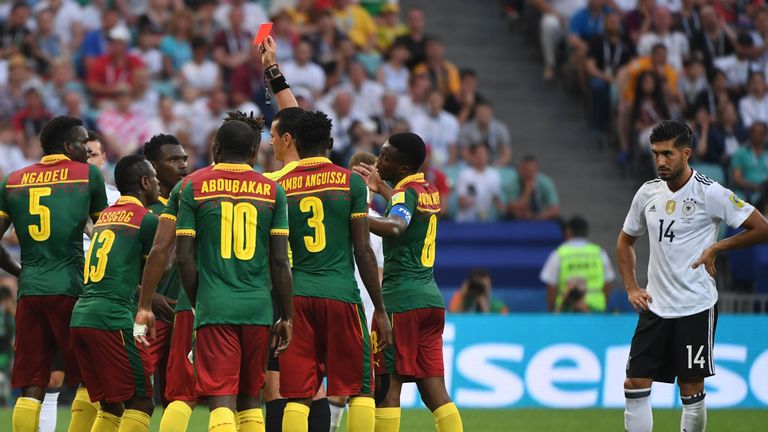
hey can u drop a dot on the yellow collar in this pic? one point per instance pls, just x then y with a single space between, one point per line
163 201
49 159
409 179
126 199
314 161
236 167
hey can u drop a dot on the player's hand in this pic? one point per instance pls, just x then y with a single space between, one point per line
144 317
384 328
371 176
163 306
708 259
640 299
268 52
282 332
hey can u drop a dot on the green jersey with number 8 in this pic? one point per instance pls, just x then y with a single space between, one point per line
409 282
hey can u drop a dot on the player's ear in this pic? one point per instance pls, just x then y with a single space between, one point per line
330 144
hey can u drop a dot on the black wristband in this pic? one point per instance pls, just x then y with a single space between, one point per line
278 84
272 72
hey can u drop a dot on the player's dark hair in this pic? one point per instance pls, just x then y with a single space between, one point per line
287 119
313 133
411 149
128 173
58 131
152 147
529 158
675 130
578 226
240 133
362 157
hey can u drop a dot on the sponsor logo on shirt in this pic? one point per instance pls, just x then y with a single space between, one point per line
653 209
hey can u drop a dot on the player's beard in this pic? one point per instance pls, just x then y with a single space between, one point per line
672 174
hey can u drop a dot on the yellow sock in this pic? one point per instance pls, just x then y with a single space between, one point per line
387 420
222 420
26 414
83 412
134 421
296 417
106 422
251 420
362 414
175 417
447 418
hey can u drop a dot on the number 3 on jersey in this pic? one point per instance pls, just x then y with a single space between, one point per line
101 244
43 231
666 234
315 205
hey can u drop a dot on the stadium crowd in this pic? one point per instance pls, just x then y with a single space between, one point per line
638 62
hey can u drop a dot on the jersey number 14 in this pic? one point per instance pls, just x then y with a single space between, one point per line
666 234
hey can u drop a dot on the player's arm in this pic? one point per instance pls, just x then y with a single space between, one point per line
185 242
755 231
280 272
7 262
625 251
154 268
98 192
402 206
283 94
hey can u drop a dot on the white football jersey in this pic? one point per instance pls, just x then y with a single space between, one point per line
378 251
680 226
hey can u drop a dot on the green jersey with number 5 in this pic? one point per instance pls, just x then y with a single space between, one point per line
409 282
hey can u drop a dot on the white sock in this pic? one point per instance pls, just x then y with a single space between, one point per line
48 413
337 412
694 418
637 414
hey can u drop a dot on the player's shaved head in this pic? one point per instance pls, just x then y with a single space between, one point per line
313 134
411 149
128 173
673 130
362 157
240 135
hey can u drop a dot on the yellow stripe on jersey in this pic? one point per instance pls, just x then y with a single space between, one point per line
277 175
4 215
281 232
317 190
234 198
358 215
46 184
117 223
427 210
170 217
185 232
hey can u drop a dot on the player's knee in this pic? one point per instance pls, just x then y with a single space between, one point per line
637 383
691 387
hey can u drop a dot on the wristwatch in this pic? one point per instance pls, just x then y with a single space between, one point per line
272 72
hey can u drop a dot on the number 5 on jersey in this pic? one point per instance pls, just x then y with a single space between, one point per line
43 231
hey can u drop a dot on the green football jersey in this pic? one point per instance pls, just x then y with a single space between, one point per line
49 204
122 238
232 211
408 259
170 285
322 199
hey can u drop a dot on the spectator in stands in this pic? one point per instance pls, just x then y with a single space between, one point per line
366 93
463 106
124 128
355 21
649 108
145 98
725 136
439 128
749 164
390 27
205 117
738 67
675 41
303 71
11 156
638 20
11 96
607 54
342 116
475 295
29 121
716 95
324 41
95 43
532 195
147 49
585 25
388 119
201 73
156 17
246 83
479 187
370 57
443 74
578 274
167 122
760 34
555 15
74 106
253 13
437 178
754 106
487 129
175 46
47 44
415 40
14 34
231 45
715 39
62 81
393 74
115 68
285 36
414 103
693 81
688 20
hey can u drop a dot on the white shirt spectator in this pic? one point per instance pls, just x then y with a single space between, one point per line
483 186
752 109
310 75
203 76
152 58
673 6
12 159
395 80
147 104
253 14
441 132
202 123
366 100
550 273
68 14
736 70
408 109
567 8
676 43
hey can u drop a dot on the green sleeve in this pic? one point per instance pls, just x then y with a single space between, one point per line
737 161
98 190
359 192
5 212
186 221
147 232
549 192
280 215
172 207
411 200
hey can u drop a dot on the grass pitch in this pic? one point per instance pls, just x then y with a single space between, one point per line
523 420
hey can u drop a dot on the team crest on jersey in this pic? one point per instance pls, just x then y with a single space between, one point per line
670 208
689 207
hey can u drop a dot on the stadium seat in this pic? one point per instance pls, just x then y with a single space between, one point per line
759 265
516 266
619 302
527 299
517 233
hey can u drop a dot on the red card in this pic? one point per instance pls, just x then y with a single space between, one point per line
264 30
